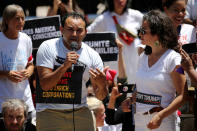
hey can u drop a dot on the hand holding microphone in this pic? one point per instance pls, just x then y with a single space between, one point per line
74 47
72 56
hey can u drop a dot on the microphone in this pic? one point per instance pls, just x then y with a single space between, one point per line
74 47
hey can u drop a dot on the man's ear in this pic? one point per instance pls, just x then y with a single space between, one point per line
86 31
61 29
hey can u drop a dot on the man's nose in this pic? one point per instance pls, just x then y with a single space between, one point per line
14 121
74 33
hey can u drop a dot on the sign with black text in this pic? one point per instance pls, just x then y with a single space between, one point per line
104 44
41 29
68 89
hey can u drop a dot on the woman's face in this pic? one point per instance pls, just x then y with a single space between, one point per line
119 6
145 34
16 23
176 12
100 116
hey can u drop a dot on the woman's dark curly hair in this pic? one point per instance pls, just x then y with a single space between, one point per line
161 25
110 5
169 3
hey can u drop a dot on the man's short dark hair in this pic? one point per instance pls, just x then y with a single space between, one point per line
73 15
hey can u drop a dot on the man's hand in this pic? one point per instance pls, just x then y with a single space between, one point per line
99 83
98 78
71 58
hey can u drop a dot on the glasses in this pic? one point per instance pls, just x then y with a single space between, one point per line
142 31
177 11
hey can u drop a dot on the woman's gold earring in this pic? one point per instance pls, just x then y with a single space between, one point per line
156 43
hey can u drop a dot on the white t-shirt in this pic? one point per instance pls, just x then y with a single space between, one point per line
131 20
187 34
106 127
14 55
191 9
156 79
46 57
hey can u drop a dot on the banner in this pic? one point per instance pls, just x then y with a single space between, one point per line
67 91
104 44
41 29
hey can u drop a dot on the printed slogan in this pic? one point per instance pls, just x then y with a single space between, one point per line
68 89
41 29
104 44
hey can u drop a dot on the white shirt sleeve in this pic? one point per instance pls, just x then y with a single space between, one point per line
97 25
193 35
173 61
188 9
44 56
30 50
97 62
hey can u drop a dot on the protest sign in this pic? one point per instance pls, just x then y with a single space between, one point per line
68 89
41 29
104 44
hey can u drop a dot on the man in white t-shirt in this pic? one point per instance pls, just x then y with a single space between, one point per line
63 66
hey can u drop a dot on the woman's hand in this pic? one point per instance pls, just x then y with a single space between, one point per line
56 4
25 73
15 76
115 93
119 44
186 61
126 104
155 122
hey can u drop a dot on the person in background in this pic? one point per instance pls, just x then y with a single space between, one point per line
124 22
16 64
114 114
147 5
98 109
191 13
62 7
157 76
55 60
187 65
176 10
15 113
118 14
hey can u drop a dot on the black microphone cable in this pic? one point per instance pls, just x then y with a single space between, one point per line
74 114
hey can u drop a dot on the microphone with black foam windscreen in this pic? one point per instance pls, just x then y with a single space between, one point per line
74 47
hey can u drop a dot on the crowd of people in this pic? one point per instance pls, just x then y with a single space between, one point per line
77 91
